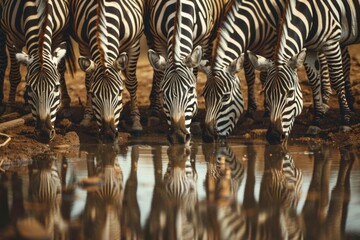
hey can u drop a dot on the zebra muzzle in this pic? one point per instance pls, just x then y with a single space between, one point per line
108 132
178 136
275 135
44 130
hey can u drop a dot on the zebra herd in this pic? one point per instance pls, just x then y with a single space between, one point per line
219 37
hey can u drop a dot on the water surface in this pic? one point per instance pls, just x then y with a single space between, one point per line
149 190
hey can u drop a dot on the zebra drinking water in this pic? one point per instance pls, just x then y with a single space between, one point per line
248 25
179 32
317 26
108 34
41 26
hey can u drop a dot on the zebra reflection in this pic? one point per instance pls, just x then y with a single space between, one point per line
45 196
102 216
280 192
181 191
326 218
221 215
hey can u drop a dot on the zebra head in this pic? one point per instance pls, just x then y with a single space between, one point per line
43 87
282 94
105 90
179 96
224 102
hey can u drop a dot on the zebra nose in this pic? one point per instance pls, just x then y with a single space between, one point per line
178 137
208 134
275 136
44 130
108 132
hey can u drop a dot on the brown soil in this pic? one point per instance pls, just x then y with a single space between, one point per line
23 145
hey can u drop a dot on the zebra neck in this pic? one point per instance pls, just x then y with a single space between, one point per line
292 34
181 34
38 26
105 10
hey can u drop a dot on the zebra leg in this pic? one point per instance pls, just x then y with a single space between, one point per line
313 69
334 59
250 81
131 85
266 117
346 68
14 77
325 81
88 112
156 109
3 66
65 98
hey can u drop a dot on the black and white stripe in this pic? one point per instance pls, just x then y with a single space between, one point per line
41 26
108 34
318 26
248 25
178 33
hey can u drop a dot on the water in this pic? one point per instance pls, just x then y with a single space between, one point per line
147 190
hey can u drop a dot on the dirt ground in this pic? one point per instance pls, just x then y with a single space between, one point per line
23 145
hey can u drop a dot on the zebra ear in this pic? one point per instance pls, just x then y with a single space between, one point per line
156 60
87 65
236 65
260 63
121 62
194 58
59 53
23 58
298 60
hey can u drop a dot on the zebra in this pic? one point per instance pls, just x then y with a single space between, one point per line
42 27
248 25
179 34
308 26
280 191
108 34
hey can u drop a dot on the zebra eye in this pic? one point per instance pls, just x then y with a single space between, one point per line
226 97
291 93
191 89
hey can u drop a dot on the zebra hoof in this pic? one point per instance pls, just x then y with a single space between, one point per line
313 130
345 128
153 121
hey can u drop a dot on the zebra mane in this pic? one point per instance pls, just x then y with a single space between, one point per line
177 31
43 11
101 33
227 11
280 31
